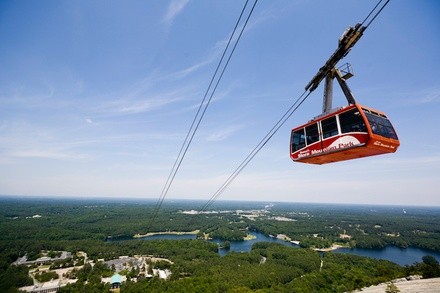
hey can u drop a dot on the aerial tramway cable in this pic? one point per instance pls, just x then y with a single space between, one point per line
377 13
309 88
257 148
200 113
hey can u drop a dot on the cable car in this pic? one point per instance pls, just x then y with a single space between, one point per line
346 133
349 132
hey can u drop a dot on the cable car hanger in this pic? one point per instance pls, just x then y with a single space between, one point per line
347 40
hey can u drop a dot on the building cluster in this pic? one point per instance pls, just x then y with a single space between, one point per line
44 259
142 263
144 266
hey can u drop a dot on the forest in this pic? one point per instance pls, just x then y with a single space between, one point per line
29 226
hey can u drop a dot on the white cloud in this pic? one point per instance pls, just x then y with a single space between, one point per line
22 139
184 72
19 97
224 133
426 96
144 106
134 105
416 161
175 7
433 97
45 154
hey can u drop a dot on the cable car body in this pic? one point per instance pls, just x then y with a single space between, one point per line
345 133
349 132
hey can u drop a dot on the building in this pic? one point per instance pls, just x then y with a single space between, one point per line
115 281
47 287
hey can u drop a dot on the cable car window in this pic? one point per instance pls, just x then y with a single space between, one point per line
381 125
312 134
329 127
298 140
352 121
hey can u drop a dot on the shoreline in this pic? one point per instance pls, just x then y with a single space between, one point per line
195 232
332 248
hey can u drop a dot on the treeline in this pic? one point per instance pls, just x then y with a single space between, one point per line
428 268
367 228
75 221
269 267
313 226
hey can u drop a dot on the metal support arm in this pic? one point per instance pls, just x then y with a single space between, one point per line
344 86
328 90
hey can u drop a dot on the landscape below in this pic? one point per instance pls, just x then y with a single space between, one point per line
66 242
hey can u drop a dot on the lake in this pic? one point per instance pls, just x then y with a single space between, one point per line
398 255
246 246
401 256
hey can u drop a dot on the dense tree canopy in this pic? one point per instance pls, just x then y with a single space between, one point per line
99 229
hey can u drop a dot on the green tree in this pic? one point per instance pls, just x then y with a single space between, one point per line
391 288
14 276
430 267
46 276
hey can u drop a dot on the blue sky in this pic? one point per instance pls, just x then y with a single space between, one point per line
96 98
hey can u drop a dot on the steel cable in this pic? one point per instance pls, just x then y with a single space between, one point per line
200 114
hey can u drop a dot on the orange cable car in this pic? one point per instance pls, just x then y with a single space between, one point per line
349 132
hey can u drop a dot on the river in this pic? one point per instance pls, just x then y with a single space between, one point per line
398 255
